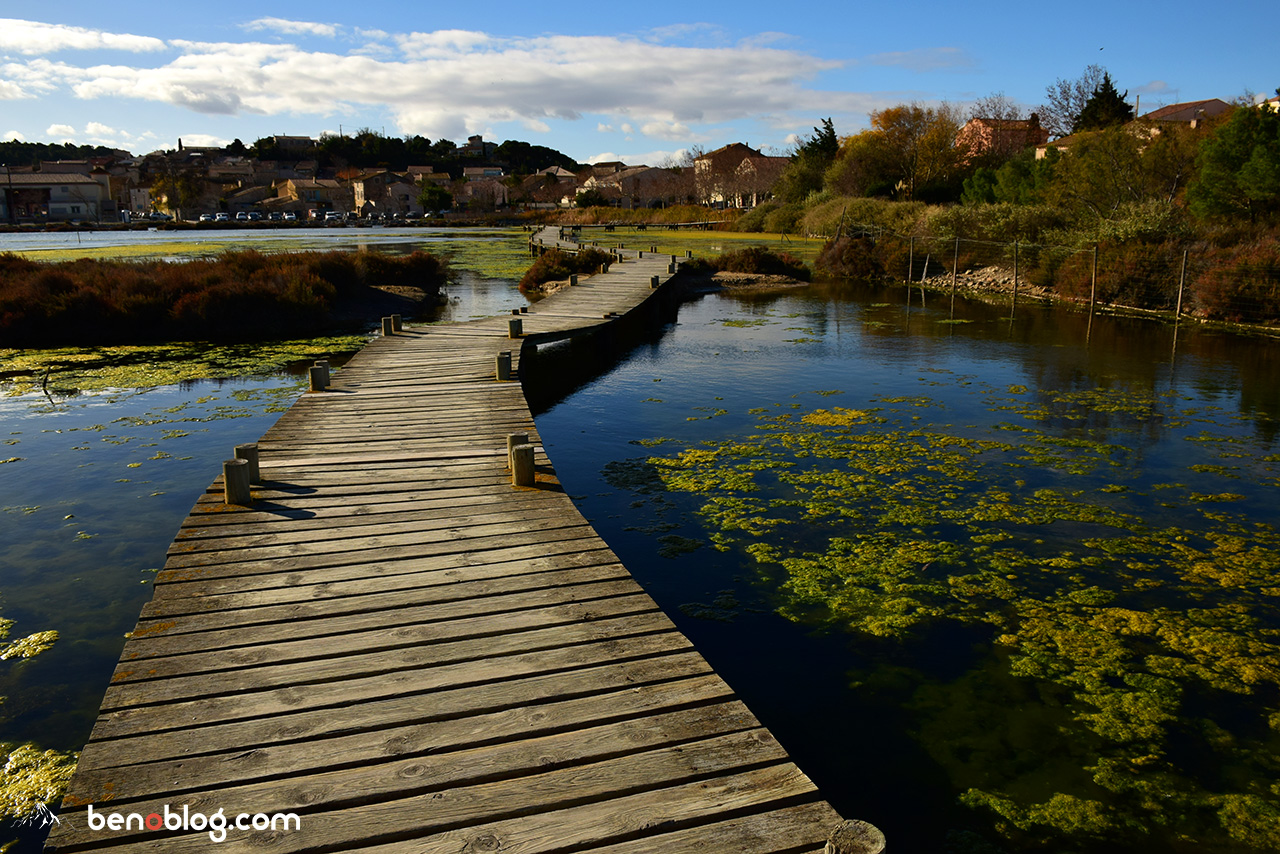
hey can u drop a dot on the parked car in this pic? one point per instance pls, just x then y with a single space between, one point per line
255 216
290 216
333 216
222 216
206 217
275 216
242 216
156 216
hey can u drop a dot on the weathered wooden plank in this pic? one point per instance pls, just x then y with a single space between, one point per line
256 735
114 723
278 760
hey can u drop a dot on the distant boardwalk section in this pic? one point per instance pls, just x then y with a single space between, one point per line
392 648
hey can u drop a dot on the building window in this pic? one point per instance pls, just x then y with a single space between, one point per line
75 209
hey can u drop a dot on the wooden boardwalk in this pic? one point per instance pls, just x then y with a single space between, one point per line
408 653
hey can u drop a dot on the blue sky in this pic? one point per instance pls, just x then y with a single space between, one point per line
639 82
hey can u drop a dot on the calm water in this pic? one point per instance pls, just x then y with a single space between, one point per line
894 729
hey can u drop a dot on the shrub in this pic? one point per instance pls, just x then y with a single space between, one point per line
784 220
1242 286
752 259
849 258
555 265
235 296
753 220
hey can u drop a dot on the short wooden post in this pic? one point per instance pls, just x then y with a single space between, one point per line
388 329
674 259
524 309
235 482
573 279
522 465
318 378
397 323
653 281
514 439
249 453
855 837
515 327
911 264
323 364
671 268
503 364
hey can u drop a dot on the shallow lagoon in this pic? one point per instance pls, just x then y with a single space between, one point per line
894 725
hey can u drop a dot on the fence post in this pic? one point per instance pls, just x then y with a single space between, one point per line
955 267
1093 281
1013 305
911 263
1182 280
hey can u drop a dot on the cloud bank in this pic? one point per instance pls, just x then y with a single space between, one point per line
447 83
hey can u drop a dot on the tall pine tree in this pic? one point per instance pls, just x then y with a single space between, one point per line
1105 108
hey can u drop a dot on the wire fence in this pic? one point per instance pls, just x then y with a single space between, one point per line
1236 285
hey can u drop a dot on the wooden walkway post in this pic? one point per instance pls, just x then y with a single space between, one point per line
235 482
522 473
856 837
249 453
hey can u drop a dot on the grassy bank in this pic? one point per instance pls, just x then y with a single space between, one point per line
236 296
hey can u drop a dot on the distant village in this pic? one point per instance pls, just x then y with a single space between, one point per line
213 184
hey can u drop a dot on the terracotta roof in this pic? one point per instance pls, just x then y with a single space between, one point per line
1188 111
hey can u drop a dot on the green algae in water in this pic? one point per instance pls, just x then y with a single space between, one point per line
1148 633
67 371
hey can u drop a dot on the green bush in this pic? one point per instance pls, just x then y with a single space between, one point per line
555 265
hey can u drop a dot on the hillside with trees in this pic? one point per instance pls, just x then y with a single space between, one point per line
1143 191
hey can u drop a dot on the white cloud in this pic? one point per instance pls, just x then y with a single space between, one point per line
604 128
925 59
59 130
667 130
298 28
536 125
99 129
32 38
645 158
204 140
13 136
455 82
11 91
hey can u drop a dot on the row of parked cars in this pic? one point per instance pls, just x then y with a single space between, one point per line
312 215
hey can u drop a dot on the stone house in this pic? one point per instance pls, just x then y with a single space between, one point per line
36 196
736 175
999 139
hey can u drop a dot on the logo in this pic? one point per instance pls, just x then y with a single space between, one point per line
41 817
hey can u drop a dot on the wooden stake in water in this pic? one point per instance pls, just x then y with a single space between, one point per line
955 267
1013 304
